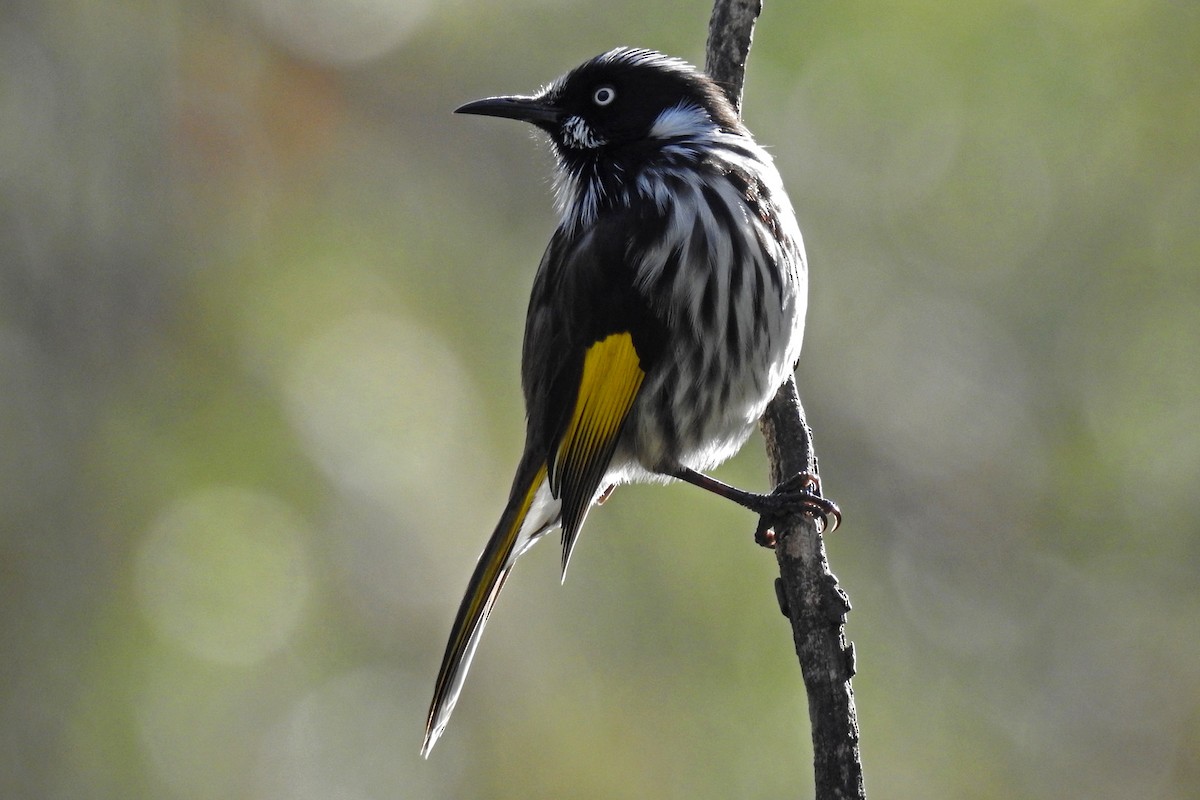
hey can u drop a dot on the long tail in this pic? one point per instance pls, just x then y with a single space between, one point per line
530 512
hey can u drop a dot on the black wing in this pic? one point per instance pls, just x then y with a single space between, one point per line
590 340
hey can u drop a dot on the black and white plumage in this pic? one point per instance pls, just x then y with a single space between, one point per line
666 312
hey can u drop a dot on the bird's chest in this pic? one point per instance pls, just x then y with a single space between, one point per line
727 281
723 271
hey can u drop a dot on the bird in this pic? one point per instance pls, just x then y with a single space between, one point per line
666 312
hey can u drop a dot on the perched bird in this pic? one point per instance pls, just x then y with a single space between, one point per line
666 312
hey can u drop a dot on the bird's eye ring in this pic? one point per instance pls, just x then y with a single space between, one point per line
604 95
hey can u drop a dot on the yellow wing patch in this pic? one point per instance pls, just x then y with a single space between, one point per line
612 375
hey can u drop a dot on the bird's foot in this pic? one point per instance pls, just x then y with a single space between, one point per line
799 494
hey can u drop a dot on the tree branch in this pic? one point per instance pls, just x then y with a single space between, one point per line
817 608
808 591
730 30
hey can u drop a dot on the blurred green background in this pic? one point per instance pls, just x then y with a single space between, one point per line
261 299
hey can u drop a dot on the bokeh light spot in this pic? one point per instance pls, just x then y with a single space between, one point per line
340 32
224 573
379 403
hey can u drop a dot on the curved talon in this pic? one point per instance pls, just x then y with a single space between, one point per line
827 512
763 535
802 482
809 495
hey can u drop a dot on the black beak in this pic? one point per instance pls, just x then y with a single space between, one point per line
526 109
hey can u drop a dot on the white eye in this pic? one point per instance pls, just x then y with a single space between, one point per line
604 95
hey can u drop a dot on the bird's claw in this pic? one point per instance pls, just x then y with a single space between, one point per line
799 494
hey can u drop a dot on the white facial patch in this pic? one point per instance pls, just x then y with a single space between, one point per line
681 122
578 135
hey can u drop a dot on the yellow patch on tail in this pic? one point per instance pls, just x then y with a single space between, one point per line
484 588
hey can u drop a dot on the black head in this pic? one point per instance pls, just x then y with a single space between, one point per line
621 100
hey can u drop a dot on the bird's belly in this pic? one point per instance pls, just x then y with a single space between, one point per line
683 417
